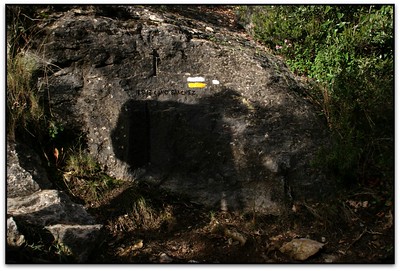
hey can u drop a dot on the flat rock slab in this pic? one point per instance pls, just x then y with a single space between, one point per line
33 209
48 207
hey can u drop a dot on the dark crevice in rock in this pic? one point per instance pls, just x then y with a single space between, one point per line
116 12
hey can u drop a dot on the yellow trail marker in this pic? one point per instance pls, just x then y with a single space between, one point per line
197 85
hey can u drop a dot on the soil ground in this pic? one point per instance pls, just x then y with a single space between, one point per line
143 224
357 228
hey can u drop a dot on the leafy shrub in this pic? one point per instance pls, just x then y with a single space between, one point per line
347 50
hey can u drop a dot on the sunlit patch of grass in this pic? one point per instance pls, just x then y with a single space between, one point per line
80 163
85 179
142 214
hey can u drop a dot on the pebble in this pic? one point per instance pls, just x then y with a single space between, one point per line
155 18
238 237
164 258
329 258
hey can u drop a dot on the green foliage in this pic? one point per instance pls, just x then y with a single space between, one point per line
347 50
55 128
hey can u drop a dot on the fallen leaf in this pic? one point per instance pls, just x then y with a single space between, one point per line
137 245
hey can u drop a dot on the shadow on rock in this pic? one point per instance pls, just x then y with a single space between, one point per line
183 147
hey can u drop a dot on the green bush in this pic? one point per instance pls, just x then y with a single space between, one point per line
347 51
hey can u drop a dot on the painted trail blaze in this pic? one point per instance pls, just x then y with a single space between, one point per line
197 85
196 82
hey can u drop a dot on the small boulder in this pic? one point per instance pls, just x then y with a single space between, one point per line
78 239
14 238
301 249
25 172
164 258
19 181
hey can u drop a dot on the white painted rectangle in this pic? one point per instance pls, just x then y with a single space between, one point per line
196 79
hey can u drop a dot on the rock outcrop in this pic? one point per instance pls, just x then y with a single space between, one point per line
33 206
25 173
187 105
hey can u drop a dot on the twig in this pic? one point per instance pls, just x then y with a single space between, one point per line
352 213
355 240
312 211
375 232
68 186
364 193
32 19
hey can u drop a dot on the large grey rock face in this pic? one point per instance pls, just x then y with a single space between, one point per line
242 142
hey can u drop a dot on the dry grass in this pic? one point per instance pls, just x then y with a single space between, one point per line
22 98
143 216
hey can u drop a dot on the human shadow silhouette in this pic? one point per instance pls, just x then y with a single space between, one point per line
186 147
